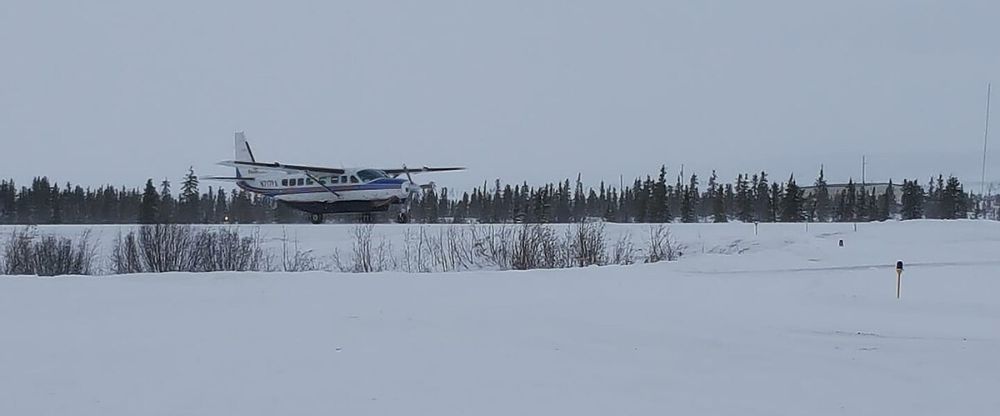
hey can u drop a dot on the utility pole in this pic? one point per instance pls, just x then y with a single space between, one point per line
986 136
863 163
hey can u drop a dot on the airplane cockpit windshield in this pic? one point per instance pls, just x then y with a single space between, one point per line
367 175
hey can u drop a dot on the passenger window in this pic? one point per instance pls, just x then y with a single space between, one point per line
354 179
343 179
301 181
322 181
335 179
284 182
309 181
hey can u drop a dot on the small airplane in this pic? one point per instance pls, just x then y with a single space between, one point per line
323 190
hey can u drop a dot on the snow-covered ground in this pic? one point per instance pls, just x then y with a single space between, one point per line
793 325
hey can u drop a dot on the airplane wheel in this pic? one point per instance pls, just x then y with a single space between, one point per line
403 218
366 218
316 218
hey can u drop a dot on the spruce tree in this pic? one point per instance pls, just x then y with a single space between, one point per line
56 204
792 202
872 205
601 206
189 199
462 209
707 207
762 198
841 214
862 207
623 206
498 211
8 199
912 201
444 206
774 203
891 207
207 205
221 207
692 197
821 198
744 200
579 200
953 200
609 205
167 202
659 209
687 207
719 205
429 205
933 207
730 201
641 196
676 196
850 202
148 210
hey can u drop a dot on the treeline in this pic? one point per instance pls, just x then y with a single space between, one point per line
46 202
750 198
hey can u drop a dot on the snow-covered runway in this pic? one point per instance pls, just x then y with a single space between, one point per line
795 325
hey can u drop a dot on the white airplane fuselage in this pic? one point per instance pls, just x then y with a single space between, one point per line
356 190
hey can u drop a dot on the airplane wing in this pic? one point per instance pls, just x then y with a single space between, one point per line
309 170
397 172
225 178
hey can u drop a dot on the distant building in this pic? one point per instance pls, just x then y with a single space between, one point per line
836 188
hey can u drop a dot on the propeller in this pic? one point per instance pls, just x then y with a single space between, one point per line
414 188
408 177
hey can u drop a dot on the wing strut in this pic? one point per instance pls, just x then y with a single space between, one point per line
315 179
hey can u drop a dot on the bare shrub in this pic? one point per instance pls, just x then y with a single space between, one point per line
537 246
17 257
125 258
27 253
227 250
448 249
369 256
455 250
494 245
624 251
586 244
662 246
167 248
171 247
416 258
337 263
295 259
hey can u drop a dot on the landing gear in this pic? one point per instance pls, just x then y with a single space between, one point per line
366 218
403 217
316 218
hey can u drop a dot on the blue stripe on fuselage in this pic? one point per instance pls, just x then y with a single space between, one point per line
378 184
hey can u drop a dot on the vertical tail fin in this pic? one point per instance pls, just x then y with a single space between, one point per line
243 152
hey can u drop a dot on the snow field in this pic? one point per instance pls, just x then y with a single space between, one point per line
793 325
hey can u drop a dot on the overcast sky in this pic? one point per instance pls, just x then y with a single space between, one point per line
120 91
